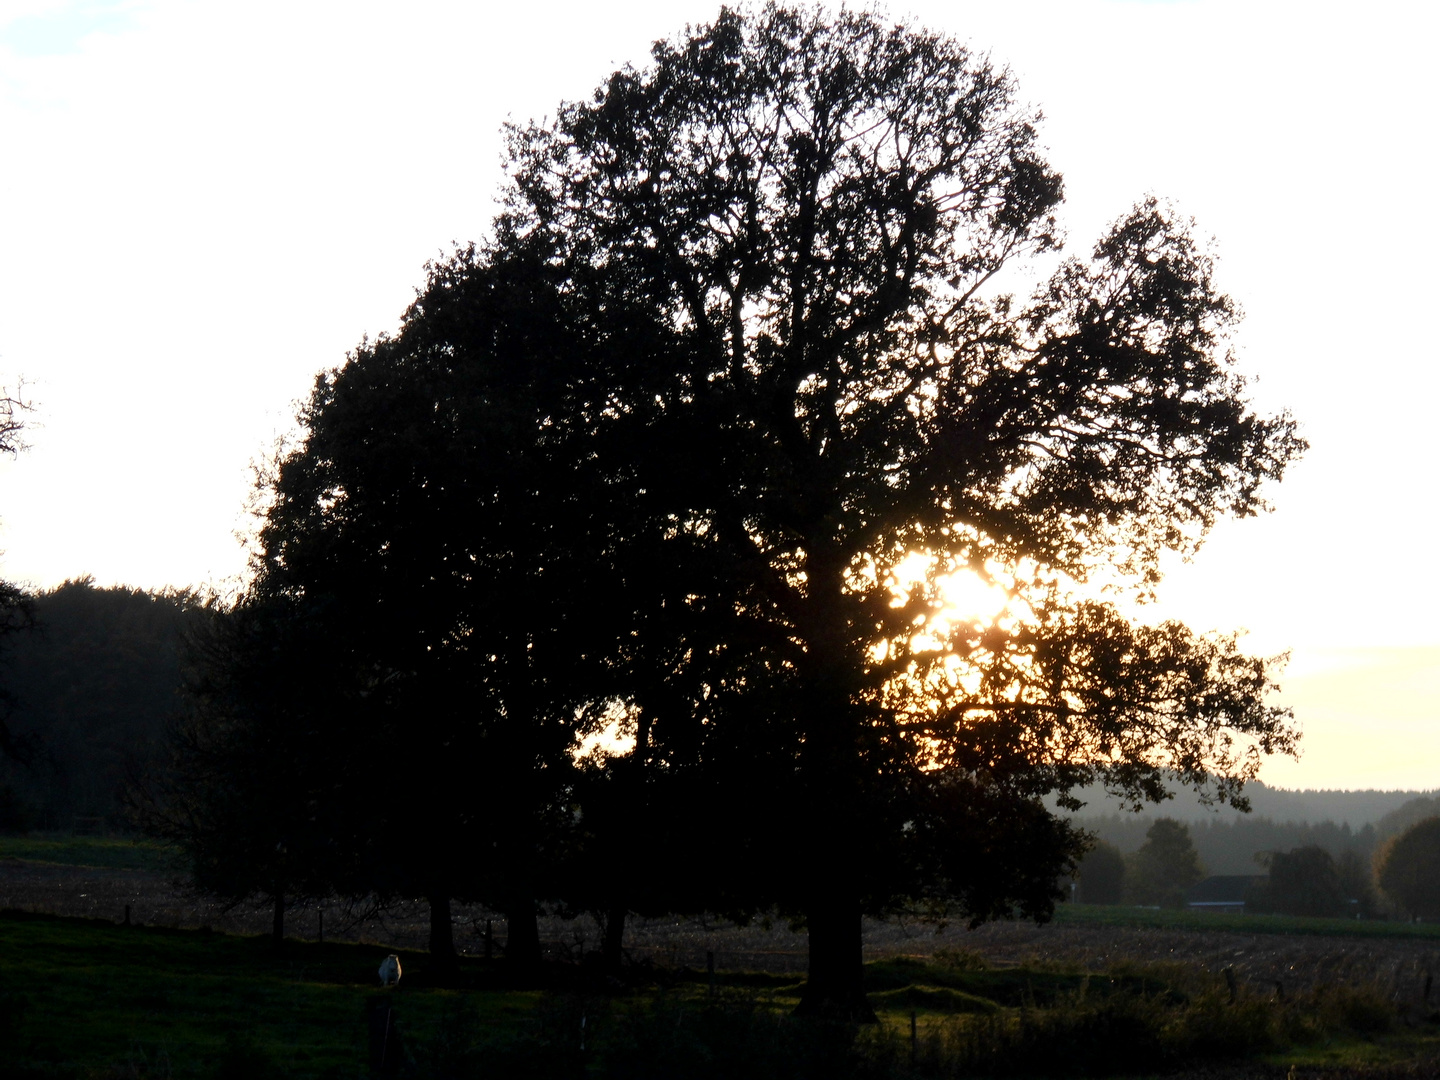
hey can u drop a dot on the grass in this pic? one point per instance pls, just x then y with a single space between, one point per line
1173 919
93 1000
87 998
113 853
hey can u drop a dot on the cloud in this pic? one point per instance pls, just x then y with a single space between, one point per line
52 30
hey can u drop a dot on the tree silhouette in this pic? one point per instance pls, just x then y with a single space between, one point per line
1165 866
1304 881
1408 869
16 608
94 686
253 791
426 549
797 227
1102 875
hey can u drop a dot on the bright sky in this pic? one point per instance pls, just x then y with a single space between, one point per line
205 202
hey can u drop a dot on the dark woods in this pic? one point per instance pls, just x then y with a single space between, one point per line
644 463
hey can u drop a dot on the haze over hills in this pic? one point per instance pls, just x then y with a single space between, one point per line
1354 808
1228 841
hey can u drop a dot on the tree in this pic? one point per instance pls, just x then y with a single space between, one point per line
1165 866
1102 875
424 546
1412 812
1357 884
16 609
252 791
788 234
94 686
1305 881
1408 869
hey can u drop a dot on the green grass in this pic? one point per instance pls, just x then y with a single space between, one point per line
90 999
1166 919
87 998
114 853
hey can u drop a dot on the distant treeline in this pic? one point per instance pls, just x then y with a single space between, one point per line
1355 808
91 690
1231 844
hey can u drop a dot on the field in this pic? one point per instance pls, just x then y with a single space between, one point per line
1136 990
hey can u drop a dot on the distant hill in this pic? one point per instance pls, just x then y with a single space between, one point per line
1354 808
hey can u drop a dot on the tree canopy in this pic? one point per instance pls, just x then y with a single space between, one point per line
811 216
1407 868
1165 866
739 348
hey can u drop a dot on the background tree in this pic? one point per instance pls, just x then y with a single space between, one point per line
1304 881
94 688
1412 812
1165 866
1357 884
801 223
252 791
1102 875
1407 868
16 613
423 548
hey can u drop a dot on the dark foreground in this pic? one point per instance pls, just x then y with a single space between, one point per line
89 998
189 990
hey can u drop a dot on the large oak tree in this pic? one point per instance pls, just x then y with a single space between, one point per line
804 222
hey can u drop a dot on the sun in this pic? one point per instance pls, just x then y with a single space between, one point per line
967 596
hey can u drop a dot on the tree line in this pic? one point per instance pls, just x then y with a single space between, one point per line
1390 869
647 461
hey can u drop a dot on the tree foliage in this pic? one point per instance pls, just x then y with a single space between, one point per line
16 610
93 687
1304 881
736 353
809 216
1407 868
1165 866
1102 875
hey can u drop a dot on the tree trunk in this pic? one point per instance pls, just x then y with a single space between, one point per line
442 937
831 760
612 949
277 925
522 943
835 984
633 778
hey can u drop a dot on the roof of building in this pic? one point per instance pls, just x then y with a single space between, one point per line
1222 889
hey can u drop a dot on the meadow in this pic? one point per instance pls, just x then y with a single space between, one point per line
87 998
1100 991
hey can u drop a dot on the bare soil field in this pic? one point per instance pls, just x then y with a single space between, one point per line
1273 963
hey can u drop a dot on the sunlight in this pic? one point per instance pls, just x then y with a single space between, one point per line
612 736
978 597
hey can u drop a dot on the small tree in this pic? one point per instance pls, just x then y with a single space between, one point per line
1408 869
1165 866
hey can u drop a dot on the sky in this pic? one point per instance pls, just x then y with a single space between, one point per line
204 203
